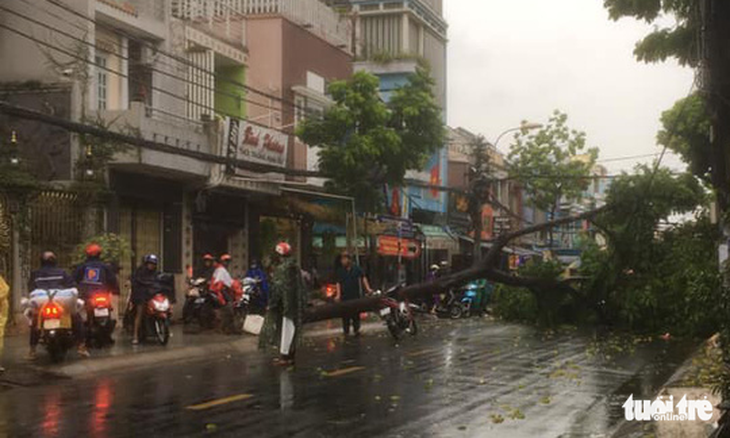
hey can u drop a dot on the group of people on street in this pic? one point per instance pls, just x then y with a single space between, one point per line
90 276
285 296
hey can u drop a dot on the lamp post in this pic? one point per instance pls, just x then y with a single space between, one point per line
524 126
480 182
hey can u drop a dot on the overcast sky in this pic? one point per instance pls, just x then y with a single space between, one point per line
521 59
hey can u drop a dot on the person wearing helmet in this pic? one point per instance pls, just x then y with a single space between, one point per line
144 284
50 276
207 268
285 315
95 275
222 282
256 272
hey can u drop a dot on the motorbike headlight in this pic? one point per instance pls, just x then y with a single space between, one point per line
162 306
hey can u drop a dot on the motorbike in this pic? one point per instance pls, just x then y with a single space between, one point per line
248 303
51 312
464 302
399 316
100 319
157 312
199 304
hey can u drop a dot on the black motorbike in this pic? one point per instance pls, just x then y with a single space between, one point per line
200 305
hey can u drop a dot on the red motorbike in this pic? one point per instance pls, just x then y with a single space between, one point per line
157 318
399 315
100 319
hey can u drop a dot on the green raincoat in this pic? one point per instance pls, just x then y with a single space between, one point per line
288 298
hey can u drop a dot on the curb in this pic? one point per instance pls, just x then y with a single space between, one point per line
144 359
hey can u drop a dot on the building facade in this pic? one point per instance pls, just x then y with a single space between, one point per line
202 79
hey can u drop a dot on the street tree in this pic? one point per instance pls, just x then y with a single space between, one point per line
677 40
686 131
366 142
552 163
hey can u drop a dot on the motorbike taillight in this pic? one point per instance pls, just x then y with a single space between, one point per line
51 311
101 300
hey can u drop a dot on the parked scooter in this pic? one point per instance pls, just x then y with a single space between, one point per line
398 315
248 303
53 311
100 320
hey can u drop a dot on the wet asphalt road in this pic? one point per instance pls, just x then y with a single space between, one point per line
460 379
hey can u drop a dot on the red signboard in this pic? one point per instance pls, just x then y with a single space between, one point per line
393 246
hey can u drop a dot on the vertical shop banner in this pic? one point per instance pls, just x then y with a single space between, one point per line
248 142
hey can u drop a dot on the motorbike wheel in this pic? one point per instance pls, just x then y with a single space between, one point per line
412 327
162 332
57 352
207 317
456 311
239 318
393 327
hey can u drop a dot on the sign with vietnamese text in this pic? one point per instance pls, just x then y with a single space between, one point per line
248 142
393 246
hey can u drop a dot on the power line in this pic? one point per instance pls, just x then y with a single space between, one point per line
177 58
173 95
127 58
83 128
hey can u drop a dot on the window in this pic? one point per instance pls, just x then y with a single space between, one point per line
300 108
102 81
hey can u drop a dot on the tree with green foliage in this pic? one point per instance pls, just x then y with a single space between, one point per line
366 143
552 163
649 269
678 40
686 131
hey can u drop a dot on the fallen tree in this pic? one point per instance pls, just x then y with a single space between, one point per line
486 268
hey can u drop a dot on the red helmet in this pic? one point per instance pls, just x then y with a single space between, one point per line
225 258
208 257
93 250
283 249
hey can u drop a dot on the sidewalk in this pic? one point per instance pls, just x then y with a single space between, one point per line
124 356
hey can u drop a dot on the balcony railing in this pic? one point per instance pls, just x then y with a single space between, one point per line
314 15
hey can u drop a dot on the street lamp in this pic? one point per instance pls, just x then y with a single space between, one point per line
527 126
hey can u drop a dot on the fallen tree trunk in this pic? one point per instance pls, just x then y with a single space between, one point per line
486 268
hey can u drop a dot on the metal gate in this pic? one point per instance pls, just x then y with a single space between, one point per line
57 222
6 239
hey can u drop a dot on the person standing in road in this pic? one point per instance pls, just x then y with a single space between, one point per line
285 316
350 283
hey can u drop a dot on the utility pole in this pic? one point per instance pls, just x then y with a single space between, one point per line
479 185
715 77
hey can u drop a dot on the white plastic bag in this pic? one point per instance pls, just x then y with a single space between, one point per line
253 324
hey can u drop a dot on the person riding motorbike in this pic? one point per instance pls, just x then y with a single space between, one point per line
144 283
257 273
94 275
222 282
50 276
207 268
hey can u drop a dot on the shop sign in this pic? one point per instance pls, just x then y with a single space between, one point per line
248 142
393 246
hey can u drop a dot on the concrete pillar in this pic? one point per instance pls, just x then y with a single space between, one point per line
405 35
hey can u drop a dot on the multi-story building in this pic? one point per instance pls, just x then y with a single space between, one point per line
188 74
391 38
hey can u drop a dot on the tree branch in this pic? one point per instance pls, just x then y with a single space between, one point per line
486 268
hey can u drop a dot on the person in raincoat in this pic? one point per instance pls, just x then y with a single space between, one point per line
4 308
285 315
